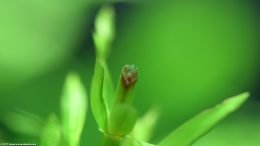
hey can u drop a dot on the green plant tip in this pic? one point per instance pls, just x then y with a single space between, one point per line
129 75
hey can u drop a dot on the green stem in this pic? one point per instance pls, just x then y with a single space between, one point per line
110 140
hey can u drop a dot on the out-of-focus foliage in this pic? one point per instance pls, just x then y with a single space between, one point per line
73 110
37 36
51 134
23 122
104 31
144 127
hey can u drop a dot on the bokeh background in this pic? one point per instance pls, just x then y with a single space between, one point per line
190 55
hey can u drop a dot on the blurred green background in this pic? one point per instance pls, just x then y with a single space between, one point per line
190 55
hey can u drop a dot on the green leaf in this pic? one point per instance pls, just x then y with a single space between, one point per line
199 125
121 120
98 105
73 109
51 134
102 88
102 93
108 89
23 122
144 126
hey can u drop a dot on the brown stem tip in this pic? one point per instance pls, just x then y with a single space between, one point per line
129 75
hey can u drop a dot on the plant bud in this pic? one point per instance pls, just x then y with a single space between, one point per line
126 84
129 75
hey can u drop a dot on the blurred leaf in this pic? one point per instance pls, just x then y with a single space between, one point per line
51 134
74 109
23 122
104 31
144 127
198 126
122 119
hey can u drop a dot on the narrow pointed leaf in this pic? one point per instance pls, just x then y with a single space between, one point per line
98 104
108 89
102 89
73 109
202 123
